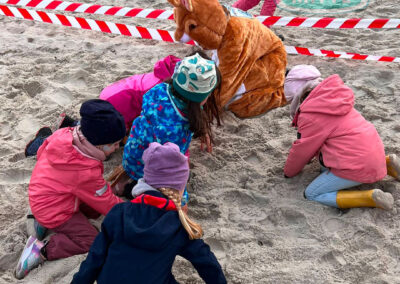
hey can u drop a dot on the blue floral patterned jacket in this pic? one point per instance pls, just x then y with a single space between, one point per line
161 120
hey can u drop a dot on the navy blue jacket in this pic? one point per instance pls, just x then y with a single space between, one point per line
138 243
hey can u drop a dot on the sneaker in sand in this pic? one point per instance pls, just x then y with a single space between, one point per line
30 257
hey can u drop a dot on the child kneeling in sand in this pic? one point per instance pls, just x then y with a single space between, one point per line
173 112
67 185
140 239
348 147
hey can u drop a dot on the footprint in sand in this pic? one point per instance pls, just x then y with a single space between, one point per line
293 216
62 97
5 126
334 258
334 225
26 126
14 176
33 88
244 208
16 158
218 249
79 79
253 159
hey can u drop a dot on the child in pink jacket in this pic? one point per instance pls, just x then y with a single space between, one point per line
67 185
348 147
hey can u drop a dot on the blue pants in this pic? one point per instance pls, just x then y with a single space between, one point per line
325 187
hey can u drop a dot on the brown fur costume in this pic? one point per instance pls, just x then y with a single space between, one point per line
248 52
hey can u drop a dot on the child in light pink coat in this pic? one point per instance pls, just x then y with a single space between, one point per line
67 185
267 9
348 147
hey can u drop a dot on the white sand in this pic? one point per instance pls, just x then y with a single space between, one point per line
256 221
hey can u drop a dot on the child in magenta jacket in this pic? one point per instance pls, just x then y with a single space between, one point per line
126 95
348 147
67 185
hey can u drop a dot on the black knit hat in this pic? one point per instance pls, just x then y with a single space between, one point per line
101 123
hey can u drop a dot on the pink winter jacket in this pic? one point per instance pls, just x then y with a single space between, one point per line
63 178
126 95
328 124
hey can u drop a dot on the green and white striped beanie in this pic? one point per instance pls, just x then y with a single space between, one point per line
195 78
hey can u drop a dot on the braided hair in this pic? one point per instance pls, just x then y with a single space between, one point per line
192 228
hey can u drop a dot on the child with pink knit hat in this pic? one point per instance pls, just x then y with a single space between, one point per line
348 147
140 239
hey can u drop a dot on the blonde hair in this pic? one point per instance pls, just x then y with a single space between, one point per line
194 230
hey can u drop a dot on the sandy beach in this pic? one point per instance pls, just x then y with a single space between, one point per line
258 223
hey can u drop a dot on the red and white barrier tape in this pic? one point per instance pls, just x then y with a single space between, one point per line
339 54
325 23
92 9
88 24
156 34
330 23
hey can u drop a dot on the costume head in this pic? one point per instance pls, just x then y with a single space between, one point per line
300 80
101 123
195 78
203 21
165 166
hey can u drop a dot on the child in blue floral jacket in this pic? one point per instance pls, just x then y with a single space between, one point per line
172 112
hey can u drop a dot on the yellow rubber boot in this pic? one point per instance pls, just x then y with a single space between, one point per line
393 166
364 198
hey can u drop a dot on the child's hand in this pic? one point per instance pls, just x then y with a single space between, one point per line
206 140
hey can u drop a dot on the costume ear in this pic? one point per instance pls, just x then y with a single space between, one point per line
187 4
174 3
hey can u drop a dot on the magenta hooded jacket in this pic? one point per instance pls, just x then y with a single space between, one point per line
63 178
329 127
126 95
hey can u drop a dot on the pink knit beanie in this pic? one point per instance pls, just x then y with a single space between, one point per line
300 80
165 166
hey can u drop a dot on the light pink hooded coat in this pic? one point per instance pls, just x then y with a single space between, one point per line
63 178
126 95
328 123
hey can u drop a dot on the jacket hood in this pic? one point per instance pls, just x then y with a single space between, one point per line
164 68
141 187
62 155
331 97
159 229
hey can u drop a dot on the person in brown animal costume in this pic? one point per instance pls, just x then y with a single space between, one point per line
251 58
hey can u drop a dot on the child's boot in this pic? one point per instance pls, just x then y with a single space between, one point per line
30 257
33 146
393 166
364 198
